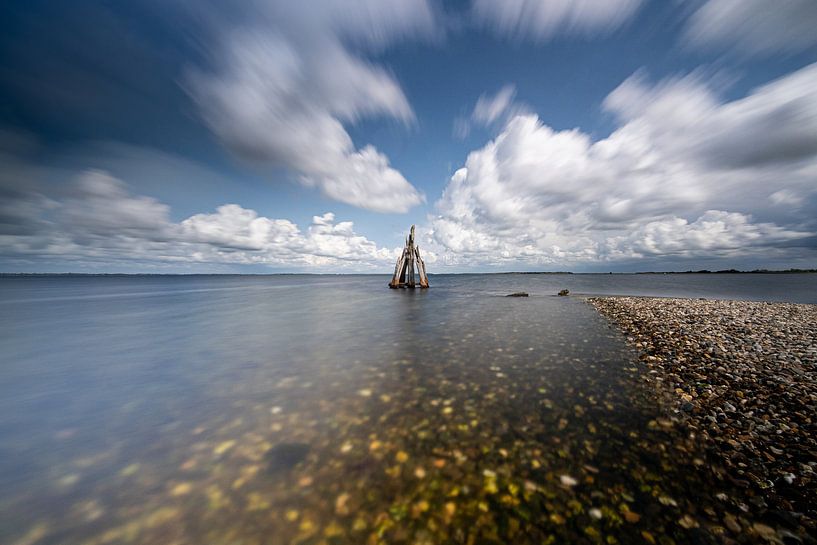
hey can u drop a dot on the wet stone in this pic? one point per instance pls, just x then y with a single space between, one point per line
285 456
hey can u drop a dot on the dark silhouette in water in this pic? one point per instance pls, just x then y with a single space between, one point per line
285 456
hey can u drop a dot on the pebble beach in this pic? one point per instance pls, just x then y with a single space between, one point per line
742 378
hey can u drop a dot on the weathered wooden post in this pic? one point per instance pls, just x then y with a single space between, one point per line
404 269
410 269
421 268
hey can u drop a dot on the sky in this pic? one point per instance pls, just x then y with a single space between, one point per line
252 136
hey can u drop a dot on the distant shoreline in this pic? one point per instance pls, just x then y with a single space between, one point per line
704 271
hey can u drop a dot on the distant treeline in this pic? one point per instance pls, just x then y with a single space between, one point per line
702 271
735 271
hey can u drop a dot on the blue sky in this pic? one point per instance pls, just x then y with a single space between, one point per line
262 136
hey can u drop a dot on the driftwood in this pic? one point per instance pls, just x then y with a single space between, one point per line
404 269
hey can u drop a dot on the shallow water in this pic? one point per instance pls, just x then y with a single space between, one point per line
311 409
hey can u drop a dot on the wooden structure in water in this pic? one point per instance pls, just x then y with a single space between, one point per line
404 270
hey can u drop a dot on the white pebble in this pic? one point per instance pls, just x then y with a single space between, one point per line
567 480
595 513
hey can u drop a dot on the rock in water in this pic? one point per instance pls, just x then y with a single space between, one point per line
564 292
285 456
518 294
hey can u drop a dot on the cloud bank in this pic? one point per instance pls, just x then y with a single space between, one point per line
684 175
284 84
94 220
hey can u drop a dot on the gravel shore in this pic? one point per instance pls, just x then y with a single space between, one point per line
742 376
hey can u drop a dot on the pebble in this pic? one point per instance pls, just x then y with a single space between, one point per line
595 513
181 489
223 447
751 369
341 502
567 480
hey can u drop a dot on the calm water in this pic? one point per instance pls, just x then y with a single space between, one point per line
319 409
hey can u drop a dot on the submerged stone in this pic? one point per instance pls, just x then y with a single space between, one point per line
285 456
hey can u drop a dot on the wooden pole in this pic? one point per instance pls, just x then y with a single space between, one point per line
421 268
404 269
410 251
399 271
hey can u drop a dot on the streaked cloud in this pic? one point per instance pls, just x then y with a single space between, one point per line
490 110
283 85
754 27
541 20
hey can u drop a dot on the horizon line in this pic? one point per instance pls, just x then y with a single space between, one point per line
700 271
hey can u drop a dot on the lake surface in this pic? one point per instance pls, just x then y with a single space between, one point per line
330 409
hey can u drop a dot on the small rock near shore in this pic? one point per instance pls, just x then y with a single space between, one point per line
564 293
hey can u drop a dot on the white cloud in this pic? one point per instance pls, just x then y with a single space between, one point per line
715 233
685 174
232 226
97 220
776 123
284 85
543 19
785 197
754 27
100 205
365 179
490 110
